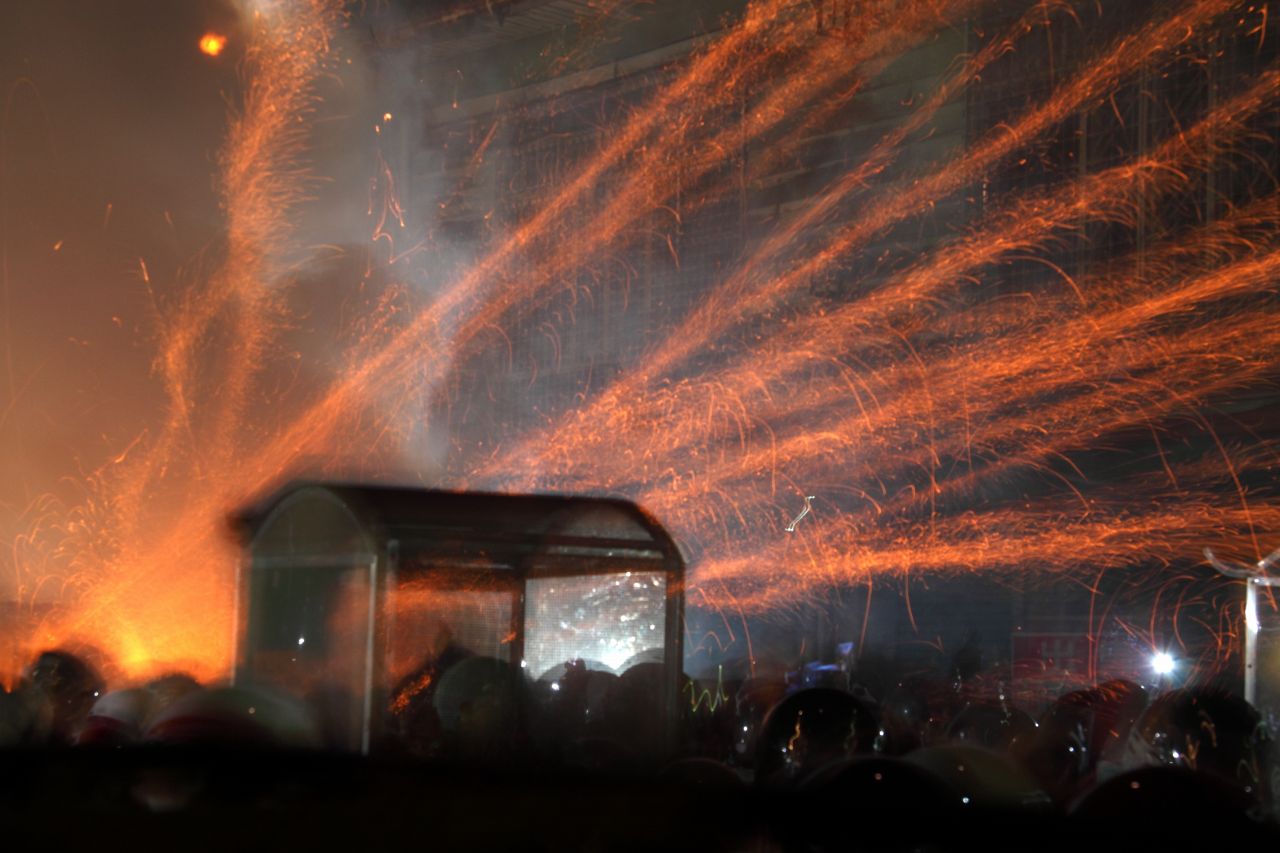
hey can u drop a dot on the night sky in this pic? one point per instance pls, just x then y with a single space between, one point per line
111 217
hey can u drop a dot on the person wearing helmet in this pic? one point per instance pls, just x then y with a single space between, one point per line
25 719
120 717
478 706
1067 751
68 686
116 719
914 714
982 778
412 720
241 716
752 703
992 725
573 701
809 729
1207 730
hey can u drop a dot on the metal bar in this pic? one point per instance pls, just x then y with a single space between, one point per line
242 566
673 654
318 561
411 535
1252 626
1256 573
1254 577
367 728
519 601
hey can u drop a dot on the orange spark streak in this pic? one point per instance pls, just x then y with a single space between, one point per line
875 400
386 367
777 361
161 578
729 303
1039 364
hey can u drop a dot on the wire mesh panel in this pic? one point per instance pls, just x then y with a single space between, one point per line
616 620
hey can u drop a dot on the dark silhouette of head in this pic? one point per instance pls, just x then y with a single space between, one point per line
69 685
812 728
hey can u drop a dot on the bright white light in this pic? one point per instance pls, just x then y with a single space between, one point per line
1162 663
302 640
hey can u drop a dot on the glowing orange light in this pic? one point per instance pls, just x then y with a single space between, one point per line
1008 384
211 44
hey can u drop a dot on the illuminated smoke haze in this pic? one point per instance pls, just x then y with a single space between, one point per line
217 274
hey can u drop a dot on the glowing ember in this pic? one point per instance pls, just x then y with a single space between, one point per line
212 44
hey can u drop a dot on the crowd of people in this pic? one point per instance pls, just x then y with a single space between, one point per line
931 742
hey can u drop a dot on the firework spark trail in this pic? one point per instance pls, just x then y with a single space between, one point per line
1166 372
831 551
1035 356
262 183
592 25
714 76
820 209
647 182
1202 476
1111 530
742 296
779 577
1119 307
1156 41
717 76
887 149
144 639
828 203
473 167
756 512
383 369
142 622
782 360
1073 425
1111 195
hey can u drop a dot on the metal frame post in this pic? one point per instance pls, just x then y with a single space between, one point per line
1255 577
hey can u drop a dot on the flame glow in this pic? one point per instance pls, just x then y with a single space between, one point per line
212 44
903 414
